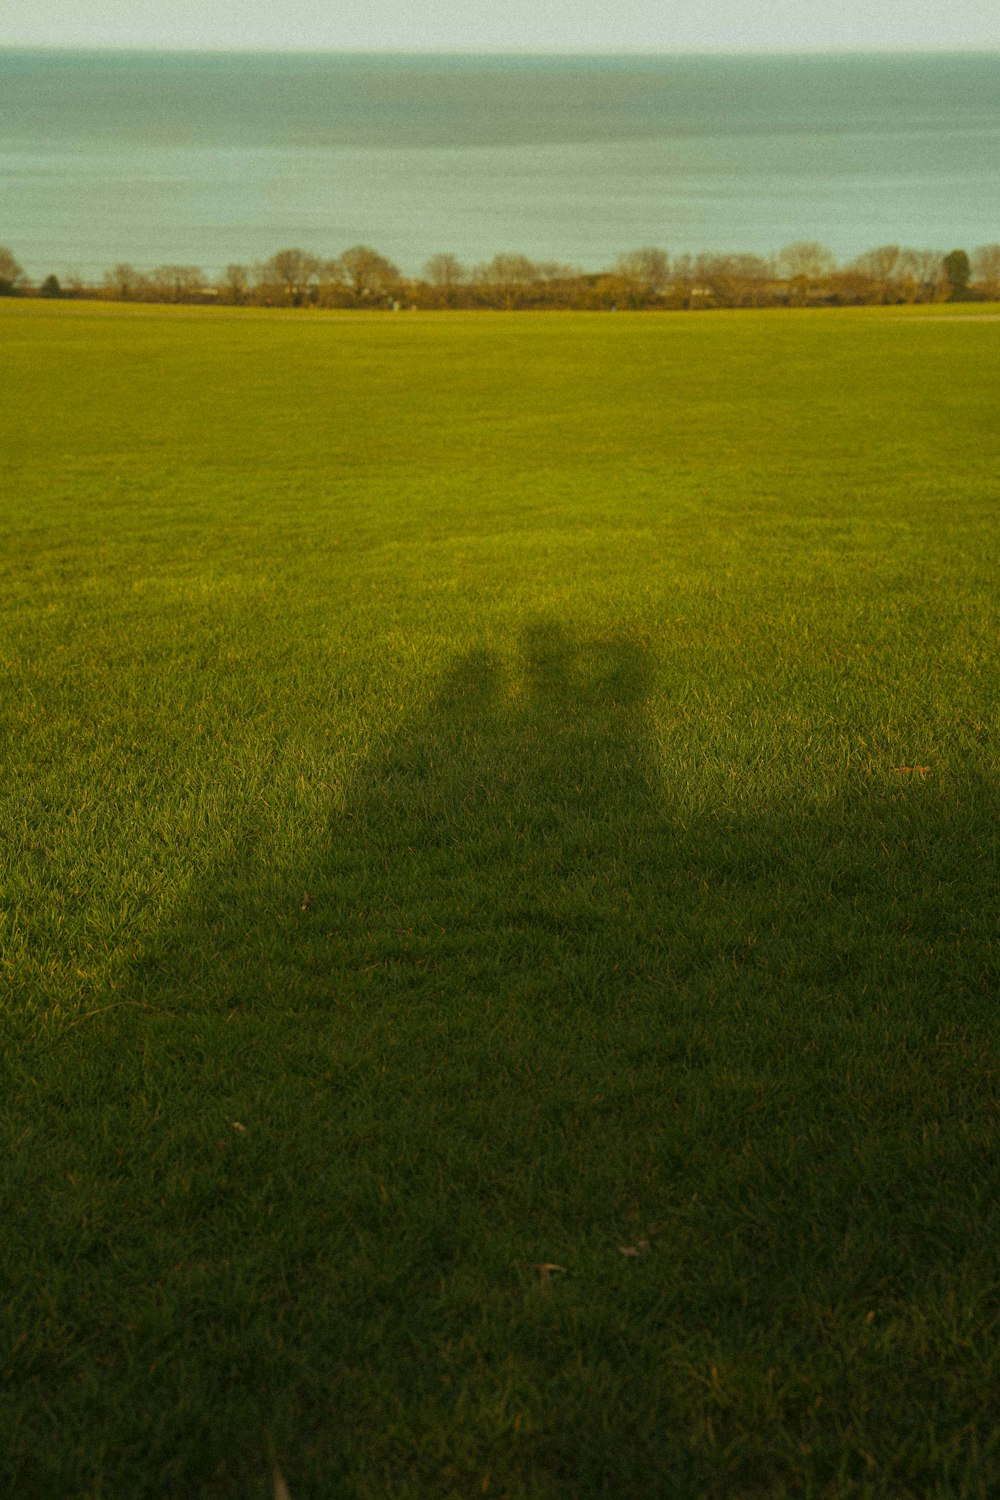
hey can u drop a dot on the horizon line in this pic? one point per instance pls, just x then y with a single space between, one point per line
177 49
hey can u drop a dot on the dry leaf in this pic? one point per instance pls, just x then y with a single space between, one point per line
241 1128
641 1247
306 901
546 1269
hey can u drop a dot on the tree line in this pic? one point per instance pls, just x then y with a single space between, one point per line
804 274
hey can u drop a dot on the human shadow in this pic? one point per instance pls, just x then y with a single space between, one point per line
403 1097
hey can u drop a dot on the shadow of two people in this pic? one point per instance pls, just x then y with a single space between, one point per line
536 1003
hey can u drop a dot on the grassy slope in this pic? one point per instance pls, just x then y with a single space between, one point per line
567 663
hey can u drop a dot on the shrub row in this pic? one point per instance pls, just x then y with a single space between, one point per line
803 274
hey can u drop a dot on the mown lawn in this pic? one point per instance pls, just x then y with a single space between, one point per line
486 794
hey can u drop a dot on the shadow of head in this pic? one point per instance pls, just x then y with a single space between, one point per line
552 673
548 743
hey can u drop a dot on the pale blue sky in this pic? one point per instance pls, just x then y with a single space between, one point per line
506 25
564 26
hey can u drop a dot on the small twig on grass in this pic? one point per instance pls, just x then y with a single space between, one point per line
281 1490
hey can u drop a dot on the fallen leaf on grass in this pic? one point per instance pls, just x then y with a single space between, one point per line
641 1247
306 901
241 1128
546 1270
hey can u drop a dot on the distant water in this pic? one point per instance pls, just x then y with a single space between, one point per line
205 158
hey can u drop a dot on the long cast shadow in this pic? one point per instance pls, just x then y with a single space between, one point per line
519 1006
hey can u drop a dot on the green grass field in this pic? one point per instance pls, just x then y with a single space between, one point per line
484 794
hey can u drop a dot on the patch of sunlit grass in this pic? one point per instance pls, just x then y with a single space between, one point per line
499 826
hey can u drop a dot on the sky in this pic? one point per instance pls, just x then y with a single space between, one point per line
507 25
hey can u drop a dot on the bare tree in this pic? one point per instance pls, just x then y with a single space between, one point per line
555 270
645 272
369 275
507 279
331 285
562 285
123 283
445 271
234 284
445 276
806 258
921 275
733 280
883 267
805 265
293 271
683 280
176 283
11 272
265 289
986 271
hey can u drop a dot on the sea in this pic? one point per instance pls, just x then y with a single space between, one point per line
205 158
